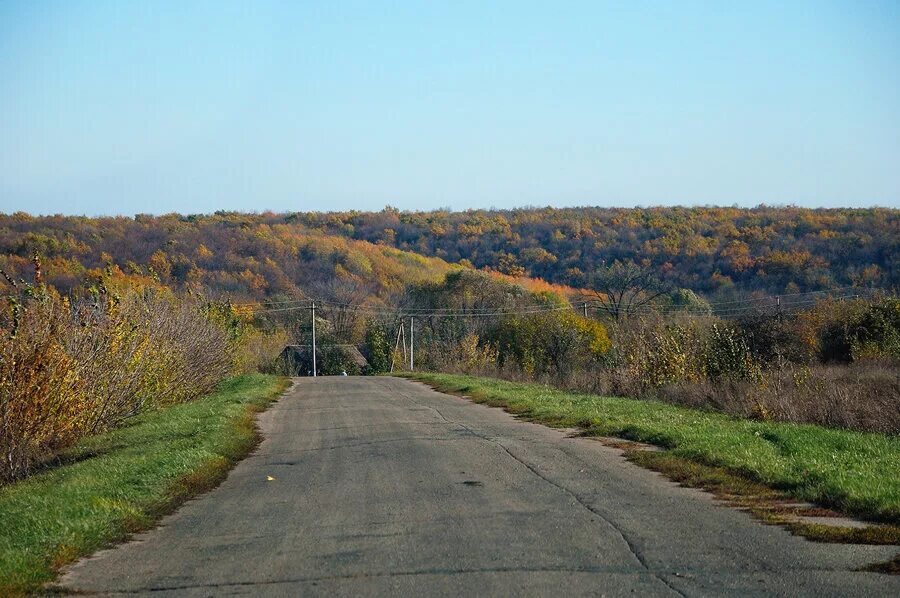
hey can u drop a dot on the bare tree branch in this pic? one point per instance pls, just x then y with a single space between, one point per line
624 288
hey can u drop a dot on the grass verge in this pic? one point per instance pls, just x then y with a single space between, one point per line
775 507
121 482
852 472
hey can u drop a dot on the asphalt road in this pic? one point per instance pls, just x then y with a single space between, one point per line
382 486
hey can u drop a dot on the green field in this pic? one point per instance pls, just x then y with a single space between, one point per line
854 472
120 482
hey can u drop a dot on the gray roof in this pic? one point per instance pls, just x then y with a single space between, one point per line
351 351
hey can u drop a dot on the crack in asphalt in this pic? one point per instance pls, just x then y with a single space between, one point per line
367 426
638 555
367 443
375 575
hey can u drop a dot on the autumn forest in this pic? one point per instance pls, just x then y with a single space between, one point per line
718 253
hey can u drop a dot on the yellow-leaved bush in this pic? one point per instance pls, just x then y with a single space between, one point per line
73 368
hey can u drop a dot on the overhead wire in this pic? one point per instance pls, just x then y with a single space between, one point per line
785 302
305 303
427 312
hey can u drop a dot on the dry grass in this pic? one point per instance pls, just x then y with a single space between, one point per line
862 396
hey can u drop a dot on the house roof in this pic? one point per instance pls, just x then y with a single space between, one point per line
350 351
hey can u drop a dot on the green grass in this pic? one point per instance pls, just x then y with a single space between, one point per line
114 484
853 472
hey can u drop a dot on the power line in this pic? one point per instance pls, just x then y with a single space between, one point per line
304 303
267 302
782 295
722 308
443 312
703 311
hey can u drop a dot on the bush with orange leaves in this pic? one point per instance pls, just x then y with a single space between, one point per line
73 368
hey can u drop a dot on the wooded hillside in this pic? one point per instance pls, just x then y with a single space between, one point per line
224 255
718 252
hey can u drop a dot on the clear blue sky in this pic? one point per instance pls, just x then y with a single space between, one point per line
125 107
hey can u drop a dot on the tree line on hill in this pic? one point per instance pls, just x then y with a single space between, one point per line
234 256
719 253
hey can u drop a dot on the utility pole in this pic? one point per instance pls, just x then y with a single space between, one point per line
411 343
397 346
314 337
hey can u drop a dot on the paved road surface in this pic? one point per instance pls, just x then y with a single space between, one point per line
383 486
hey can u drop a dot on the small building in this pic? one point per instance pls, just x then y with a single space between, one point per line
331 360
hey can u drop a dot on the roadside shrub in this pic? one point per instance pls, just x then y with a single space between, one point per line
377 348
867 333
67 370
726 354
334 360
43 404
473 356
876 332
670 356
549 343
189 352
773 337
257 350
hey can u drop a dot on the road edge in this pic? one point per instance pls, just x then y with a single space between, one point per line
770 506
